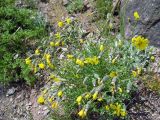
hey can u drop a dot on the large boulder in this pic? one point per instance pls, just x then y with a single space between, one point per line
149 23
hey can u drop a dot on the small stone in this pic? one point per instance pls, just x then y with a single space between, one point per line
65 2
11 91
46 112
45 108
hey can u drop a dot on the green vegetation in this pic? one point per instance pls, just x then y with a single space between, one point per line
75 6
19 27
103 7
89 75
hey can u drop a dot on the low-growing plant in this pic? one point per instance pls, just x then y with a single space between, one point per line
75 6
103 7
91 76
19 27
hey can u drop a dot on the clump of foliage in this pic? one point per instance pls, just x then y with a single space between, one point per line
89 76
103 7
18 27
75 6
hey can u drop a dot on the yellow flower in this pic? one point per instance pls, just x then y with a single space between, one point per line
70 56
44 91
134 73
60 24
40 100
87 96
52 44
139 71
35 69
41 66
47 56
58 35
118 109
28 61
123 113
68 20
120 90
152 58
60 93
113 61
37 52
140 42
92 60
81 41
95 95
136 15
54 105
101 48
82 113
113 74
79 99
80 62
50 99
100 99
107 107
57 44
112 106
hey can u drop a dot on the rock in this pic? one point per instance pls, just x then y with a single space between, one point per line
11 91
65 2
46 112
149 23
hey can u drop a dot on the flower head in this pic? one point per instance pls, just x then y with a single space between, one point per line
41 66
70 56
152 58
79 99
37 52
134 73
54 105
68 20
28 61
80 62
136 15
107 107
60 24
58 35
87 96
95 95
140 42
82 113
52 44
101 48
113 74
40 100
60 93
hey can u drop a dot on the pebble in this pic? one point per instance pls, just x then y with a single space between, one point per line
11 91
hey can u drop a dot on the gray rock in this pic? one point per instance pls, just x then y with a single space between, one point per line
149 23
65 2
11 91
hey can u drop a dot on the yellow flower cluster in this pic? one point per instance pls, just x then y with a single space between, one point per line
92 60
117 108
37 52
79 99
140 42
28 61
136 15
48 60
61 23
40 100
113 74
80 62
82 113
